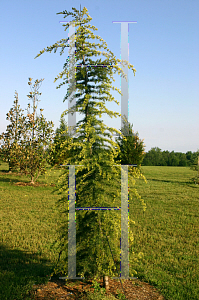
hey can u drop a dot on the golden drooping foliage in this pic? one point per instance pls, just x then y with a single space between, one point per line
98 180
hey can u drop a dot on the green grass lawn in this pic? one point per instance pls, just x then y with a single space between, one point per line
167 232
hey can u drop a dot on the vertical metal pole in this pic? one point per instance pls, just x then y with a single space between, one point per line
72 225
124 223
72 81
124 82
124 169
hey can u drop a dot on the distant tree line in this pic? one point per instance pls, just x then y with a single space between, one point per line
156 157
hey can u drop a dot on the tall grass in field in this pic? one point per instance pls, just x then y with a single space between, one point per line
167 232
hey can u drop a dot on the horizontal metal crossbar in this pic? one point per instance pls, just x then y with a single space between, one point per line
115 134
70 22
97 208
122 277
73 277
83 165
83 65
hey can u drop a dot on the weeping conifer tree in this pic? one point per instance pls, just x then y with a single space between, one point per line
98 181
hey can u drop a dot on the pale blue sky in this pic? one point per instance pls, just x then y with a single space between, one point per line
163 47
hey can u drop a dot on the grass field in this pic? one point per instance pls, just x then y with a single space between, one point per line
167 232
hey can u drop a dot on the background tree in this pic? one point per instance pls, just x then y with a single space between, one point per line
98 180
11 139
57 153
1 153
37 137
195 166
26 139
165 158
173 159
189 156
131 148
156 157
152 157
182 159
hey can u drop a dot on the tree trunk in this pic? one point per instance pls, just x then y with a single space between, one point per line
106 283
32 180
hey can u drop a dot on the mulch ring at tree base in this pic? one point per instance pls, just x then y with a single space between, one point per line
77 289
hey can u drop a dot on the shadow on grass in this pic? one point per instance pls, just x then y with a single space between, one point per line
18 180
5 177
19 271
8 178
189 183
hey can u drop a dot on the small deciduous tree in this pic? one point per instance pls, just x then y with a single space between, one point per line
98 181
26 139
38 136
11 138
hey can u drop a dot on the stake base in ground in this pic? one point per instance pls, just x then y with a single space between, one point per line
71 277
124 277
